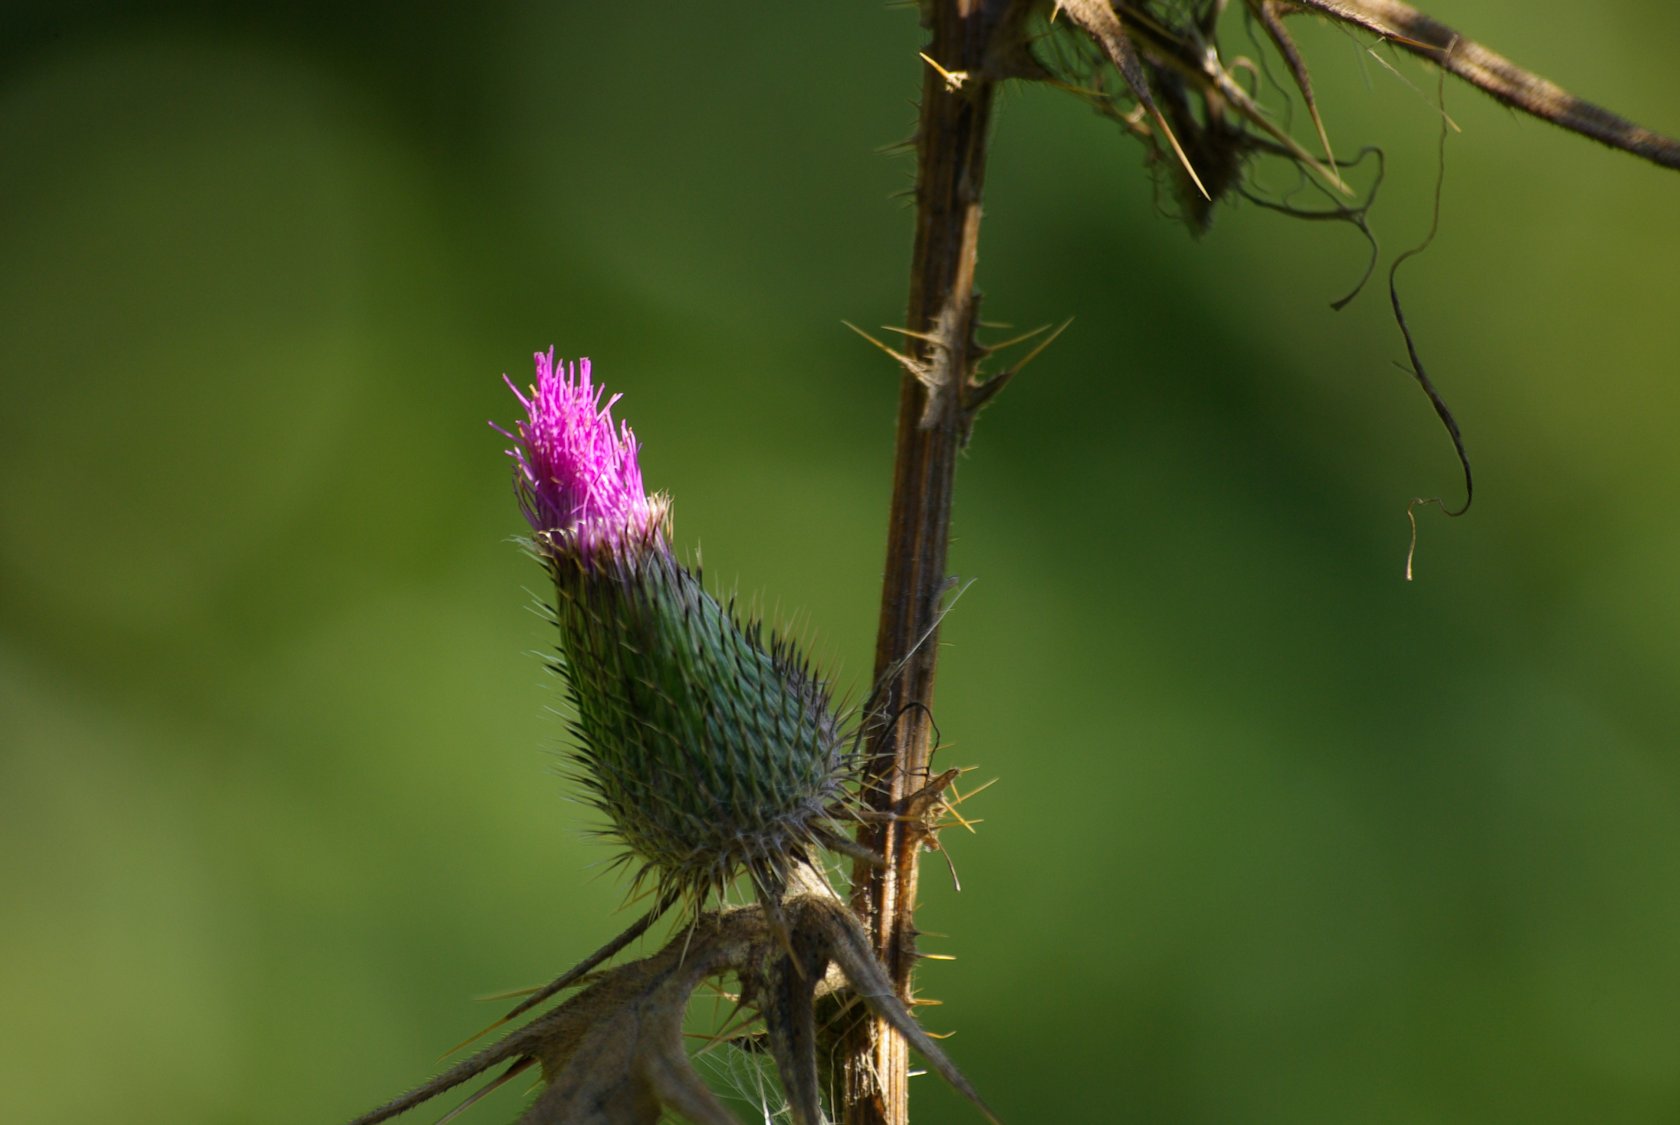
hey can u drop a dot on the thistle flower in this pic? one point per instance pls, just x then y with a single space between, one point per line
575 476
709 752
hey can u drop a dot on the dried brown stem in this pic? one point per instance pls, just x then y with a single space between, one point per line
1494 74
973 41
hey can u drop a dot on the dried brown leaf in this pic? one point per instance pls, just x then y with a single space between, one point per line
613 1054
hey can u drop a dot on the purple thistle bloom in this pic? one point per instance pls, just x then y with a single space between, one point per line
578 480
713 751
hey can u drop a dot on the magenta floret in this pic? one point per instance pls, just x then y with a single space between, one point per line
576 474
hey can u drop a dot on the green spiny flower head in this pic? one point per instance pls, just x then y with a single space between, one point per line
711 752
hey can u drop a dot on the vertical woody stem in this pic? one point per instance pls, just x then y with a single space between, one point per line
951 162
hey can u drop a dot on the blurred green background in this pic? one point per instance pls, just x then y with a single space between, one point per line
1277 837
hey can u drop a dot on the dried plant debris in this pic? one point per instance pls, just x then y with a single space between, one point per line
613 1053
1161 69
1416 369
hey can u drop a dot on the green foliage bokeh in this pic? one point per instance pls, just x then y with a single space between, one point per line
1277 837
